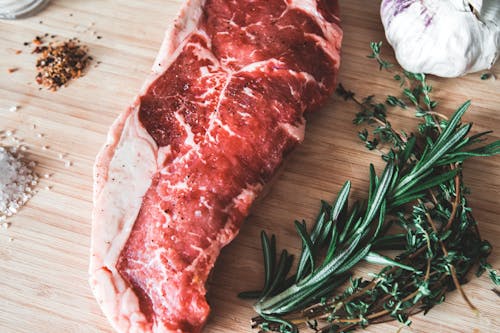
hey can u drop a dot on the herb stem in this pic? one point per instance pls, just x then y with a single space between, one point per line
453 272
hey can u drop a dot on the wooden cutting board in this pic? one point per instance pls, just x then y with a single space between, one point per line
43 275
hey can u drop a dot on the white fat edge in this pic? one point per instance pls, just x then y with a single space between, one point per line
124 313
332 32
136 148
296 132
163 154
159 327
443 51
115 211
106 153
327 45
175 39
184 24
247 195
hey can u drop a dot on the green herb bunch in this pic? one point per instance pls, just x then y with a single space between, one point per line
417 206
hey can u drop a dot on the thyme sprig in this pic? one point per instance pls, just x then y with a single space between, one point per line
417 206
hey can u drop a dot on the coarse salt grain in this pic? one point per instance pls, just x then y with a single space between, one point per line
16 181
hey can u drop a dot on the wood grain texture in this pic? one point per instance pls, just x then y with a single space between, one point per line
43 275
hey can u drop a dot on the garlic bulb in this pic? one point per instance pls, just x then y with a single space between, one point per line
447 38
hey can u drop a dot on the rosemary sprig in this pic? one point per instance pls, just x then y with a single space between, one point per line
417 206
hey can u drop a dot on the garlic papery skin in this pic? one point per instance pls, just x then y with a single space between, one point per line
448 38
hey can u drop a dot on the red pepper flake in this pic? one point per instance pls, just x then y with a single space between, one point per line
37 40
19 51
12 70
60 62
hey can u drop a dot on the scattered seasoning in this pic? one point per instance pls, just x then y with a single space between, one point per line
485 76
17 180
40 135
37 40
12 70
26 43
99 37
19 51
60 62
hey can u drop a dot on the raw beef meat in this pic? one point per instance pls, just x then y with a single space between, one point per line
182 166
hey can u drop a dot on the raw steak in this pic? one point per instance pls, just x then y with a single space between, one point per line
182 166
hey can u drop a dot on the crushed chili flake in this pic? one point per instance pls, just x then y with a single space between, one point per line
12 70
19 51
60 62
37 41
